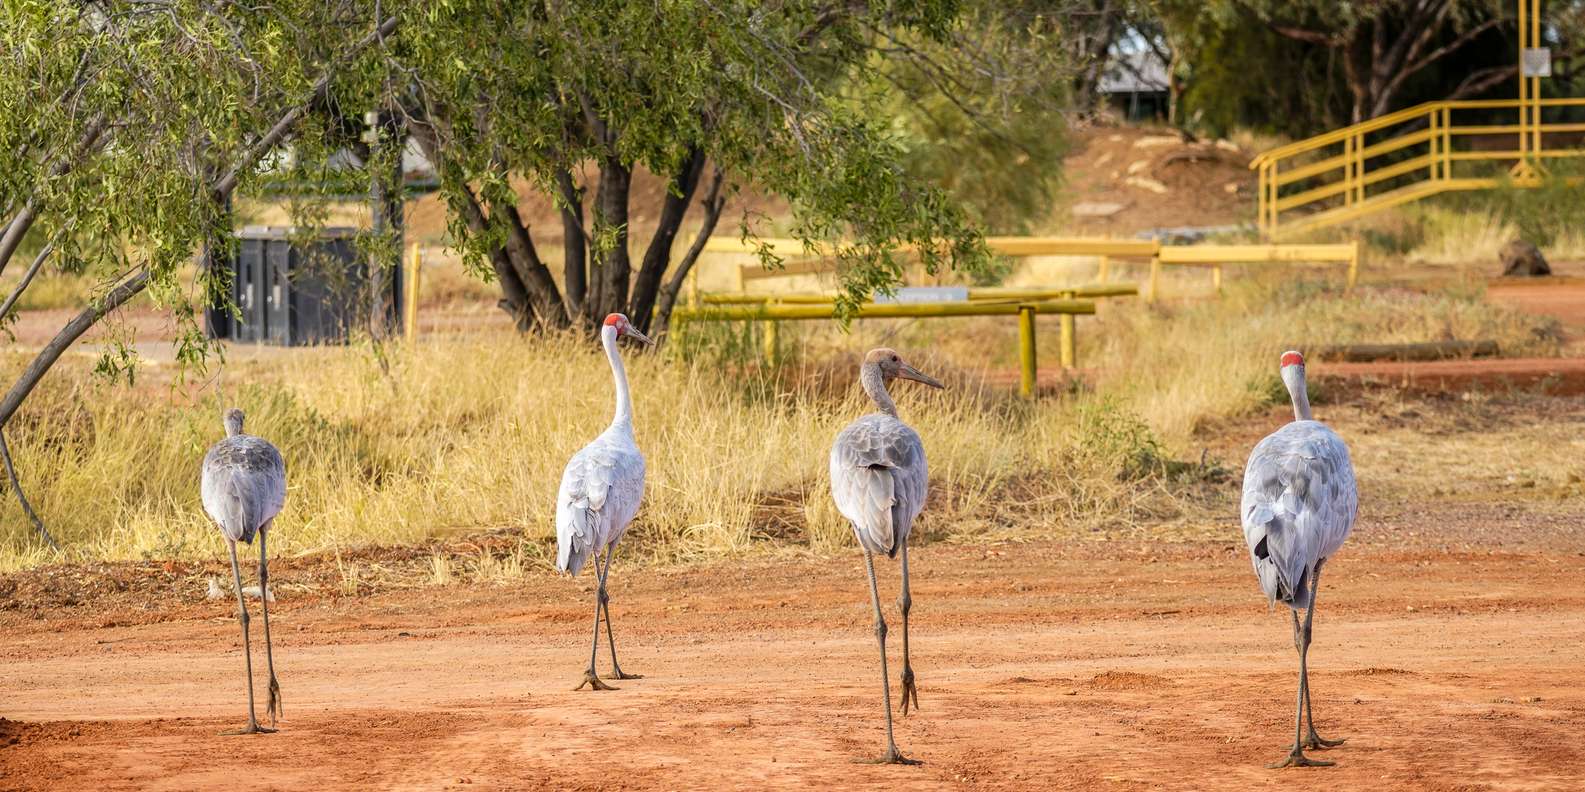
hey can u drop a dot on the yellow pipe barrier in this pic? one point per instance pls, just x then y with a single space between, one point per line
763 313
1026 313
415 259
1068 352
984 294
1215 256
1028 374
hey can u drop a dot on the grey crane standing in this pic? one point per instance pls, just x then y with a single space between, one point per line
244 487
601 489
1300 501
879 479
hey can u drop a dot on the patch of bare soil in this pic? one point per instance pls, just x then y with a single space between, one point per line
1444 636
1556 376
1122 180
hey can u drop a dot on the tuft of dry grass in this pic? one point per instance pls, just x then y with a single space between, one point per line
466 433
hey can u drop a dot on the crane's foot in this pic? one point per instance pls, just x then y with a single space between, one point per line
1298 759
909 691
273 706
1317 742
893 756
252 728
593 682
618 673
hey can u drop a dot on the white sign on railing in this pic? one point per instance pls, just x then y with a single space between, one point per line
926 294
1537 62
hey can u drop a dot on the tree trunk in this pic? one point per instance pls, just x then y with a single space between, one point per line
528 292
612 264
657 257
713 203
575 247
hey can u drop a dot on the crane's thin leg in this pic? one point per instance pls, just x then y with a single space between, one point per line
1313 740
905 603
253 726
589 677
1296 757
605 605
273 707
893 756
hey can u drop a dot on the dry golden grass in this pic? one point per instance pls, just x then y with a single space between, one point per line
462 434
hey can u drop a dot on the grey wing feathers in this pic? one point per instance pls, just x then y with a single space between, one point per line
600 494
1300 501
243 485
879 480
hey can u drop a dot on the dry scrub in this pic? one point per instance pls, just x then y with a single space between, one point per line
464 434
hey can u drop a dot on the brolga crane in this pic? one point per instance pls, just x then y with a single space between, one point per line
1299 505
600 492
243 488
879 480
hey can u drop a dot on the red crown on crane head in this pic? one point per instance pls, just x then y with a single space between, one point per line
1292 359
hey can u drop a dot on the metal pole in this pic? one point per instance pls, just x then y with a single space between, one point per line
1101 272
415 260
1026 351
772 341
1216 278
1069 343
1535 84
1353 265
1155 279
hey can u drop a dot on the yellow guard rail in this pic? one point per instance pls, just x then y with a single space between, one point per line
1026 311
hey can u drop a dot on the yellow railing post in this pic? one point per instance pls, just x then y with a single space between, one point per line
1102 270
415 265
1069 354
1353 266
1216 278
1155 279
772 342
1026 351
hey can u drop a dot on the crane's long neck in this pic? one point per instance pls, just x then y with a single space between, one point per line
1293 377
875 385
624 402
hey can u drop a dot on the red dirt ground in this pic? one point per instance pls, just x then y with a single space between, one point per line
1446 652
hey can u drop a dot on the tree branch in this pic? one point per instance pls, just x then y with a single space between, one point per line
27 279
575 245
1303 34
16 486
277 133
658 255
65 338
713 202
92 138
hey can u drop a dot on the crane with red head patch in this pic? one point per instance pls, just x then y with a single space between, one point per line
1299 505
600 494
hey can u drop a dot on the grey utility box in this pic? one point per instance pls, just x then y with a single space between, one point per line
292 292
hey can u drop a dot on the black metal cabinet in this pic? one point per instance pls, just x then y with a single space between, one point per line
292 292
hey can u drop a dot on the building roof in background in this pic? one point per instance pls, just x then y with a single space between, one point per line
1139 71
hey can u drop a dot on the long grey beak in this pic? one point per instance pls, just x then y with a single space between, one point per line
633 331
909 372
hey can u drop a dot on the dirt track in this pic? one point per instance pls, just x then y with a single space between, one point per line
1449 660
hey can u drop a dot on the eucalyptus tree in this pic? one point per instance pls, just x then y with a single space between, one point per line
798 98
127 126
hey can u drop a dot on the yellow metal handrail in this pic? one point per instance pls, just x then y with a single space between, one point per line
771 313
1348 173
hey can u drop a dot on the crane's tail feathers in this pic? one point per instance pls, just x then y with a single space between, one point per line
571 556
